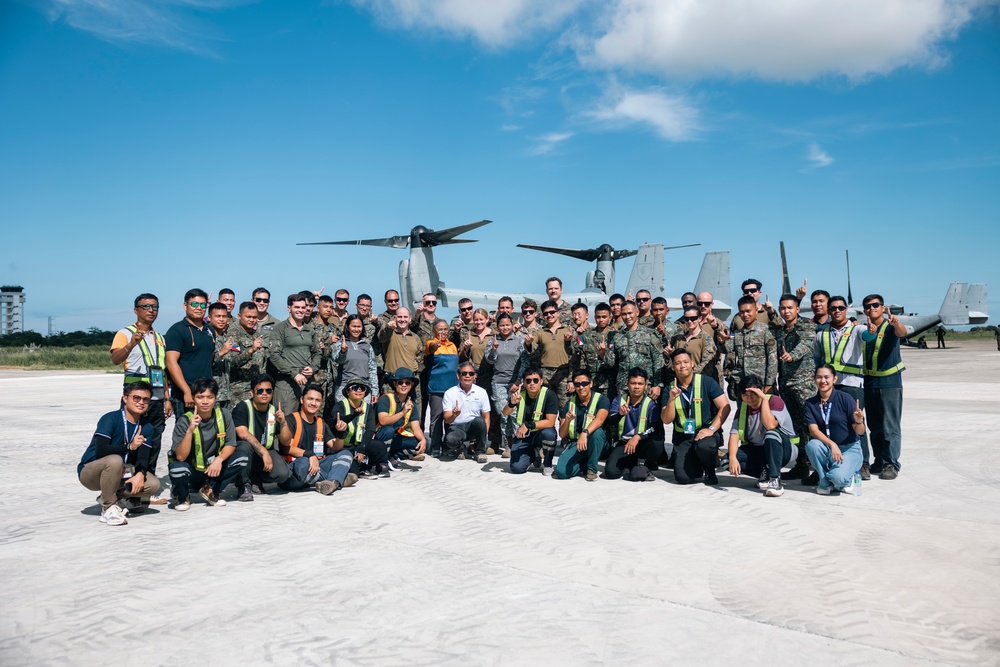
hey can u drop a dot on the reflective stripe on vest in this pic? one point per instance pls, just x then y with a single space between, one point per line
591 412
643 409
297 436
353 432
539 406
871 369
837 358
404 430
742 421
680 416
199 454
147 354
271 427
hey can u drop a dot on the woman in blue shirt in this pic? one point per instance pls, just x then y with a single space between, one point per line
835 422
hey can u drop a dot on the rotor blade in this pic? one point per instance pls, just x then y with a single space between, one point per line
674 247
786 287
398 242
448 235
622 254
586 255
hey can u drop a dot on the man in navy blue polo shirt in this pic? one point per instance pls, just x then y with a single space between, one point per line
190 347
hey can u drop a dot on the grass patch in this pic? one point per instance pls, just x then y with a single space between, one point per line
58 358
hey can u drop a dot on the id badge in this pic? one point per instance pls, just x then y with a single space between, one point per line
318 448
128 472
689 427
156 377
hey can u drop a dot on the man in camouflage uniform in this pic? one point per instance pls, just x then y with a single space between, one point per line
719 332
218 318
699 343
662 325
391 299
616 301
554 290
753 350
242 369
643 301
584 354
603 379
461 325
796 368
635 346
326 333
765 312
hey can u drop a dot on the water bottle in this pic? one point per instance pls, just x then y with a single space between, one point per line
857 483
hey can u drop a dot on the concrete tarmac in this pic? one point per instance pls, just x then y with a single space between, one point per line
460 563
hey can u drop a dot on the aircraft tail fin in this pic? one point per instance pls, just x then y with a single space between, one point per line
975 298
714 278
786 287
647 272
954 311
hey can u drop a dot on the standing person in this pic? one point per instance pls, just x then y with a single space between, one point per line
939 332
585 344
505 305
581 428
688 300
190 349
462 323
423 322
391 299
752 290
227 297
295 354
508 359
820 302
225 352
355 357
308 446
441 360
553 343
265 320
661 324
753 349
599 373
840 345
326 332
719 332
883 385
699 344
205 453
554 290
363 308
250 363
836 422
258 424
475 344
398 417
117 461
796 368
534 409
529 322
996 334
616 301
643 301
635 347
402 348
466 415
762 439
697 407
341 299
633 418
144 355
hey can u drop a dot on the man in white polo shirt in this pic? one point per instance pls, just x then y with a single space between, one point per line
466 415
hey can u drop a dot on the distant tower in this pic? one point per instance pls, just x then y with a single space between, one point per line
51 328
11 309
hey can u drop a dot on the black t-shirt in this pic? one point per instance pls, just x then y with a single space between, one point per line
196 347
581 410
112 435
366 424
308 433
241 417
549 407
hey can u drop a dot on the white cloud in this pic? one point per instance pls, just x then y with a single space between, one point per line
670 116
548 142
509 127
493 22
787 40
818 157
162 22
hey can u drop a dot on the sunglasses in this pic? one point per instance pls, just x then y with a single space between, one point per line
406 381
356 387
690 319
259 300
465 310
263 390
643 299
751 291
705 304
585 383
148 306
392 300
547 313
140 399
837 309
467 374
532 380
528 311
430 303
339 300
198 305
870 306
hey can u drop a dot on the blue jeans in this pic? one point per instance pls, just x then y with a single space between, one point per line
885 412
522 451
329 467
837 475
572 461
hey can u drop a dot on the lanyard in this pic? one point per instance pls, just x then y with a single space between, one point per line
128 436
687 396
824 409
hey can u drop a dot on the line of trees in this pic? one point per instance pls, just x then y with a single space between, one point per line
91 337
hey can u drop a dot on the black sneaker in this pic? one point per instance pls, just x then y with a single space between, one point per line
383 472
246 494
812 479
711 479
257 489
888 472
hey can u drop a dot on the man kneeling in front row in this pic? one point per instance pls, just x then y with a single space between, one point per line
258 423
205 454
762 439
117 461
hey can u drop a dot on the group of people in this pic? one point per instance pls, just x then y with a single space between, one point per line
326 396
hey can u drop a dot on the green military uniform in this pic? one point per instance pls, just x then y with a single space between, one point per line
566 318
702 349
323 335
585 356
264 329
796 381
243 367
647 320
628 349
291 351
669 331
553 355
753 352
221 365
719 333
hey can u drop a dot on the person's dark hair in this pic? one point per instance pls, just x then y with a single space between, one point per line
245 305
293 298
697 313
638 372
872 297
836 297
616 297
504 316
746 300
602 307
218 305
579 306
789 297
532 370
507 299
549 304
312 387
307 295
363 297
259 290
678 352
584 372
202 384
751 281
194 294
529 303
553 278
388 292
260 379
225 290
750 382
347 323
644 291
466 364
138 384
144 296
325 298
827 367
819 292
689 294
659 300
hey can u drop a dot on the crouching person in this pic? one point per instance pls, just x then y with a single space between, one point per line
205 454
308 446
535 408
353 420
398 415
582 430
762 440
117 462
258 423
634 417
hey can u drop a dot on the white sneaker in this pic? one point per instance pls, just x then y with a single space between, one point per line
824 490
762 480
774 489
182 506
547 471
849 488
114 516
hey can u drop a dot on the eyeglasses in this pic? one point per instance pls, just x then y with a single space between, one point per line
547 313
751 290
870 306
643 299
260 300
356 387
528 311
148 306
467 374
340 300
197 304
430 303
585 383
140 399
837 309
263 390
465 310
532 380
705 304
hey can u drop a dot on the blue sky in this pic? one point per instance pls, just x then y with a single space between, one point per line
156 145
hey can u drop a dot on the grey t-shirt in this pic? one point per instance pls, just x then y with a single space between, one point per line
209 434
